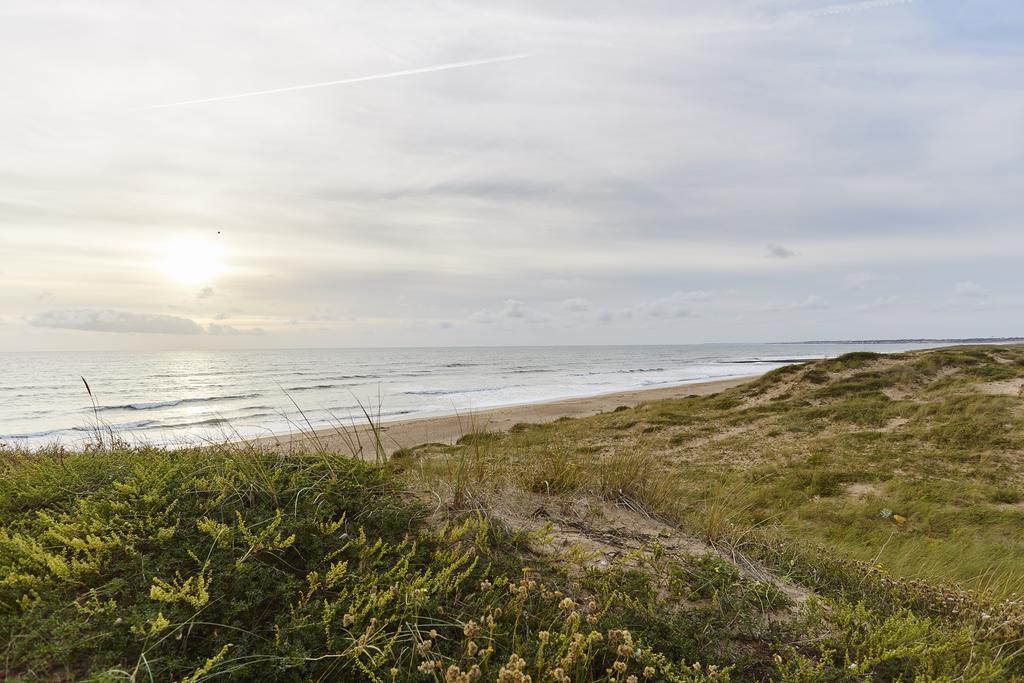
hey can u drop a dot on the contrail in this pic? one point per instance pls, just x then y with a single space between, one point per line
343 81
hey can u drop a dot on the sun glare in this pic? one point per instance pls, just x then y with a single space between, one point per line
191 262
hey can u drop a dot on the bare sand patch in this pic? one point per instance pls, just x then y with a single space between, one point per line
861 490
1009 387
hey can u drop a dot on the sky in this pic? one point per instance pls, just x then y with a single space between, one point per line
580 172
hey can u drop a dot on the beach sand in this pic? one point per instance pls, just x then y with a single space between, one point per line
450 428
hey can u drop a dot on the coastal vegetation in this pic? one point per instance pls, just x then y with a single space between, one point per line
851 519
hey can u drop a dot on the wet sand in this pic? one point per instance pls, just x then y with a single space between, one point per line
450 428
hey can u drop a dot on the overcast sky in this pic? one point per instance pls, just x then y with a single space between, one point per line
649 172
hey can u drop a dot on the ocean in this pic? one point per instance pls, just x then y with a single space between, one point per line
177 398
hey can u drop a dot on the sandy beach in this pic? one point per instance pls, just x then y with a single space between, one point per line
450 428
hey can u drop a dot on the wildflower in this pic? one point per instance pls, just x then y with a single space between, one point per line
471 629
427 666
348 620
566 604
454 675
543 636
632 679
512 672
471 648
619 666
648 672
433 633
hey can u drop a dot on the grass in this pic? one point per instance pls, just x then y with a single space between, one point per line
846 520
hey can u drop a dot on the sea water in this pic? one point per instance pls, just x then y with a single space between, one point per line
194 396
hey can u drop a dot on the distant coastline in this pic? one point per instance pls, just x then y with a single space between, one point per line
969 340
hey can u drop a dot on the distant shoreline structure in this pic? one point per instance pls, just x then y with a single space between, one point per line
969 340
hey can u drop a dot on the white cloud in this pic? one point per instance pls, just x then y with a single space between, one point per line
511 310
861 280
230 330
676 305
576 305
812 302
115 321
970 290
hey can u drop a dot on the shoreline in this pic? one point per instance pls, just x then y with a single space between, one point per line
449 428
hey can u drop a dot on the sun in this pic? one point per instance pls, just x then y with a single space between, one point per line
191 261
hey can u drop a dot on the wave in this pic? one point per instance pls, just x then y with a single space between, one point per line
155 405
198 423
317 386
446 392
633 371
124 426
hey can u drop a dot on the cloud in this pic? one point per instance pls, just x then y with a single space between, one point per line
861 280
884 141
229 330
851 7
970 290
512 309
92 320
675 305
204 293
576 305
608 315
779 251
856 282
811 302
885 302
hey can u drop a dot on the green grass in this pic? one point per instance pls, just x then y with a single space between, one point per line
944 456
885 490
